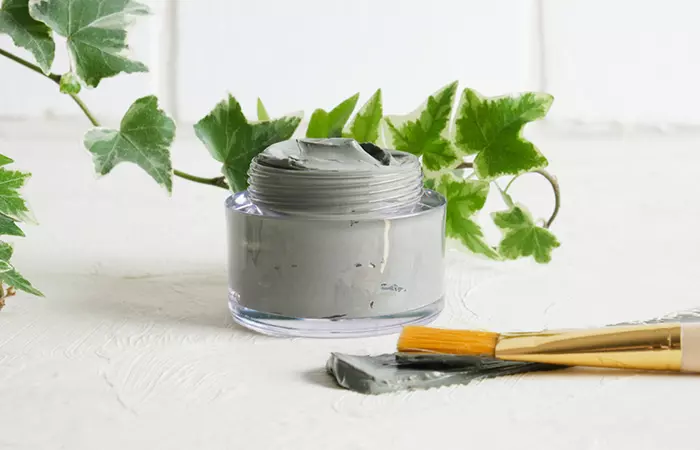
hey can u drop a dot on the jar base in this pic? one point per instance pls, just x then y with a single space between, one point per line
283 326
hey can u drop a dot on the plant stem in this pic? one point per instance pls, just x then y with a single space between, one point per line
555 187
504 195
216 181
552 180
85 110
51 76
56 78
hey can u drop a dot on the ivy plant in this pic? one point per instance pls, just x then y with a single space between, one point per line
13 210
234 142
484 136
468 144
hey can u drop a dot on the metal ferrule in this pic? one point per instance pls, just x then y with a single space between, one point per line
646 347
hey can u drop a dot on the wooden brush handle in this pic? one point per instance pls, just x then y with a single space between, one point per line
659 346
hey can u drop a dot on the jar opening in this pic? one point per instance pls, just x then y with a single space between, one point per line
334 176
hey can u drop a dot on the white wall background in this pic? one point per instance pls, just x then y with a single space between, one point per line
626 62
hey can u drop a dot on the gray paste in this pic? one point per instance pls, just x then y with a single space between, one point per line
336 230
396 372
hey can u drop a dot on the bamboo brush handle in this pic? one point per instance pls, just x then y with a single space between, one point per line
674 347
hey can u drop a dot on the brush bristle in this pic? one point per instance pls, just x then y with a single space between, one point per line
453 342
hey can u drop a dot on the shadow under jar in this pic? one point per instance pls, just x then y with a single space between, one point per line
335 239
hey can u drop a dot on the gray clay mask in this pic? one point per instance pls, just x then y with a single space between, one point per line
335 238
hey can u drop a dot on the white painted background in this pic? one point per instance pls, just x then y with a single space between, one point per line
133 346
607 63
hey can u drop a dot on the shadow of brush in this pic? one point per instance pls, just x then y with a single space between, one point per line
598 372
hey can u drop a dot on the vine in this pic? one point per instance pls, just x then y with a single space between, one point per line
445 131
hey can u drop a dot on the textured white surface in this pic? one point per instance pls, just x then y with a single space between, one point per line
133 347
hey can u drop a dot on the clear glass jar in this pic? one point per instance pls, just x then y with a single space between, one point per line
330 274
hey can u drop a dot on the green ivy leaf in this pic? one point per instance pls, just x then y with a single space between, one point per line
8 227
4 160
11 203
464 199
10 276
318 125
262 112
522 237
70 83
234 142
26 32
95 32
365 125
12 207
426 136
507 199
17 281
491 128
143 138
6 251
330 124
340 115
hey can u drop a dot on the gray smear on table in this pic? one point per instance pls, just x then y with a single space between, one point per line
395 372
401 371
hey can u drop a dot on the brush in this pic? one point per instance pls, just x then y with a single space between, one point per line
663 346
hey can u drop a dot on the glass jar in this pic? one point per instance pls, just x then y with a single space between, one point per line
324 246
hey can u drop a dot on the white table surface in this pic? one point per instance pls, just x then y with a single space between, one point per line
133 346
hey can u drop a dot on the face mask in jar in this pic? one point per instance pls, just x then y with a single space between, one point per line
334 239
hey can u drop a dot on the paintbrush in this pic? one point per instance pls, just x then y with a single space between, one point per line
663 346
